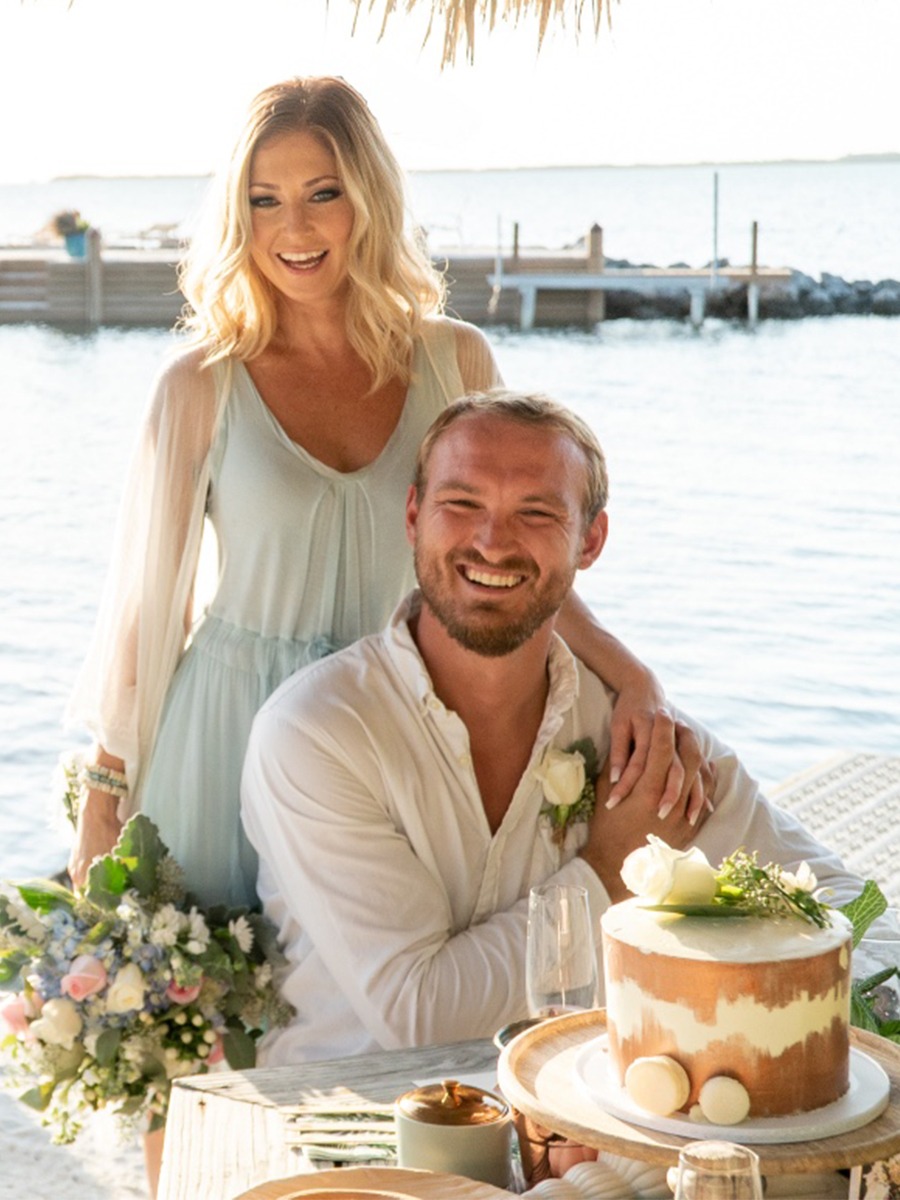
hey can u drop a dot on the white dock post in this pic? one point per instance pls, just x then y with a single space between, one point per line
498 272
753 285
597 299
698 306
714 273
527 306
93 267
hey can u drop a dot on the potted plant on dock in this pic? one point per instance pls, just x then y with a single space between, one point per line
72 228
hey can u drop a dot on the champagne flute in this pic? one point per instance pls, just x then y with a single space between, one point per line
716 1170
561 956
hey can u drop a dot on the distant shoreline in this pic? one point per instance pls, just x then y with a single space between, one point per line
847 159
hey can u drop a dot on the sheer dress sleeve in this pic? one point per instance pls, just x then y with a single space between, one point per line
475 358
145 610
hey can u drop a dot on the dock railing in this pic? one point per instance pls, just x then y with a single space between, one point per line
595 278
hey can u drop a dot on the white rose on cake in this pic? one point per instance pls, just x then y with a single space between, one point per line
660 875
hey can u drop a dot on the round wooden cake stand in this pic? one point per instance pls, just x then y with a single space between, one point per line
536 1073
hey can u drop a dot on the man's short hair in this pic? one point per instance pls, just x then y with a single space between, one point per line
528 409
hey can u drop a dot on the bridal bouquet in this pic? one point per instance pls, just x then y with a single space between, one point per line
117 989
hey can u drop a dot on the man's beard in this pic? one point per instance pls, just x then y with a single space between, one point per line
499 634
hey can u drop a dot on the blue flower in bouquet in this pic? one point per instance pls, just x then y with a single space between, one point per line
117 989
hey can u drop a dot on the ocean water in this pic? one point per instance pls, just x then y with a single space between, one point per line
839 218
754 550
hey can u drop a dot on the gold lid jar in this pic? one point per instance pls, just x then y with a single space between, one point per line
452 1103
455 1128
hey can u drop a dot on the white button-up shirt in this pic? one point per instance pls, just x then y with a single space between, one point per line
403 918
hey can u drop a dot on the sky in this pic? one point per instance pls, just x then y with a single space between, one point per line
156 87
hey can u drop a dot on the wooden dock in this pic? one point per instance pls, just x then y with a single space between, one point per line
140 287
117 287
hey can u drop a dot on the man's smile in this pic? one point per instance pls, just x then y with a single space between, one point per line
491 579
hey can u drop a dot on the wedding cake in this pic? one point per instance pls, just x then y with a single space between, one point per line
735 1014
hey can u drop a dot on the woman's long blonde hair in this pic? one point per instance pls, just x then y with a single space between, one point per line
393 284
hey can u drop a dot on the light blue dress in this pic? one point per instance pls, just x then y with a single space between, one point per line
310 559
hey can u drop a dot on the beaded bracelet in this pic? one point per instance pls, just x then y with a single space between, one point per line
105 779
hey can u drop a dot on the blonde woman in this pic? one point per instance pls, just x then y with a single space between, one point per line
317 358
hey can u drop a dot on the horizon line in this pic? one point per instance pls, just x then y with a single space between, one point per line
884 156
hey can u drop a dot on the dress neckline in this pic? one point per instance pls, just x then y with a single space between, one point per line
323 467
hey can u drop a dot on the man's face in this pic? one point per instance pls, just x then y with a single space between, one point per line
499 532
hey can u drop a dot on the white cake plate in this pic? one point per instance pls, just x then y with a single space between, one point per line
866 1098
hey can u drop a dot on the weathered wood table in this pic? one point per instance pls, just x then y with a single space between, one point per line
227 1131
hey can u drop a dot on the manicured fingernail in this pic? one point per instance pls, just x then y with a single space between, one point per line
665 809
613 800
692 819
615 774
709 805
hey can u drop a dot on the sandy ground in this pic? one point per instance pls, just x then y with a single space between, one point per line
98 1166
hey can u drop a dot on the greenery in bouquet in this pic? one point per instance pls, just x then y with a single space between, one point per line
116 989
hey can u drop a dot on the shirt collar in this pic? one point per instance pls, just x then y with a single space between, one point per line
404 652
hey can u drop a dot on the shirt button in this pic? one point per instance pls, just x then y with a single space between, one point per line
465 760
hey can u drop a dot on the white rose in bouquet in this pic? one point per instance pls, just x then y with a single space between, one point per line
661 875
126 992
59 1024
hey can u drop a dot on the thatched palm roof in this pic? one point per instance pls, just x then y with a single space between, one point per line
461 17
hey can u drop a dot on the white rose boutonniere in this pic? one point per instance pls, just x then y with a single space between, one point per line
658 873
568 777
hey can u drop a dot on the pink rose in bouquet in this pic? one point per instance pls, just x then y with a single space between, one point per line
14 1014
182 995
86 977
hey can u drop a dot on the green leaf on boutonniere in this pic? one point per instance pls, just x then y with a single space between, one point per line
562 773
588 751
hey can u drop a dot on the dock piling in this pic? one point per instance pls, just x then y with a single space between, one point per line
93 280
596 301
753 284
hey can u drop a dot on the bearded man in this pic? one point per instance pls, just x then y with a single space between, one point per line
401 792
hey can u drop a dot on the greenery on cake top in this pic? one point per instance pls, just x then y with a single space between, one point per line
684 882
743 886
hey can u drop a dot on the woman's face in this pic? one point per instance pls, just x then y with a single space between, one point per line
302 218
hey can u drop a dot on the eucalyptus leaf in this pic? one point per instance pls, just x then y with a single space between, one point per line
240 1049
142 848
108 1046
702 910
865 908
44 895
39 1097
106 882
11 963
861 1014
882 976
